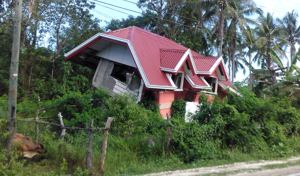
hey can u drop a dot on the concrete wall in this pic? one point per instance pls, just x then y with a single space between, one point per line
164 99
117 53
102 78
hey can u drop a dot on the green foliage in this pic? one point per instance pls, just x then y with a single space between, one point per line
178 108
3 107
235 129
77 109
193 142
239 126
148 101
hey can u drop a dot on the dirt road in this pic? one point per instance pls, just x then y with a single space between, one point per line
288 171
257 168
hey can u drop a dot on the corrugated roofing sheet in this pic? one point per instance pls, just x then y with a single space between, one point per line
170 57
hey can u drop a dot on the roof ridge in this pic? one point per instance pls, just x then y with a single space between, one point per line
157 35
131 28
146 31
199 56
121 29
167 49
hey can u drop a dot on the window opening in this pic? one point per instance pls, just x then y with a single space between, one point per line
178 80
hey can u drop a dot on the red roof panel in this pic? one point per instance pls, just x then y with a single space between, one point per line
198 81
204 63
147 46
170 57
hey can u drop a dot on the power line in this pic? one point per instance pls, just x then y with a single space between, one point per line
104 14
97 2
132 2
112 8
117 6
173 7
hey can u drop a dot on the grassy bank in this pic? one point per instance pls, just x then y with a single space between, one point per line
236 129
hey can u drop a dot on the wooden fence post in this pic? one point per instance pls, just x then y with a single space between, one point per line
37 129
63 129
89 154
104 145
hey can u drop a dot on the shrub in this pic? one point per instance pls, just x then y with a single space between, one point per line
130 118
193 142
178 108
290 119
3 107
78 108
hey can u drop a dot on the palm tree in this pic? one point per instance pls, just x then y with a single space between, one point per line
291 31
269 45
249 42
238 18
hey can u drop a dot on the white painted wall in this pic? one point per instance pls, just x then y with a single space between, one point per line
190 109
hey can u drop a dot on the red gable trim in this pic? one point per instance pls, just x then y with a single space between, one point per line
93 39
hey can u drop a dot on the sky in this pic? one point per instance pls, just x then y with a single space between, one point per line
278 8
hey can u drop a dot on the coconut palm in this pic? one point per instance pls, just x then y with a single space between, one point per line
291 31
237 21
249 42
269 45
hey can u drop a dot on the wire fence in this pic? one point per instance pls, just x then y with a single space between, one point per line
90 129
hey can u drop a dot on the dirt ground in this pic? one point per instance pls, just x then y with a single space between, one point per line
257 168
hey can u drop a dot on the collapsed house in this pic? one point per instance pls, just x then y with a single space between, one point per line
144 65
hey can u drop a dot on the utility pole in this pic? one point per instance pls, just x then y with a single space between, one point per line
14 70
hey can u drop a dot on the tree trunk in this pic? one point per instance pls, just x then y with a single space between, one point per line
269 63
14 70
30 78
233 70
57 37
293 53
250 71
221 30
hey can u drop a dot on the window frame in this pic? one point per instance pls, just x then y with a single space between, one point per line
173 83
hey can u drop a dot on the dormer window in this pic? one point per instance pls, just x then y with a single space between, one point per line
213 82
220 70
187 68
220 73
176 80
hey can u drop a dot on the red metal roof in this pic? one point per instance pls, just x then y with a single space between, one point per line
203 63
147 46
152 52
197 82
169 58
